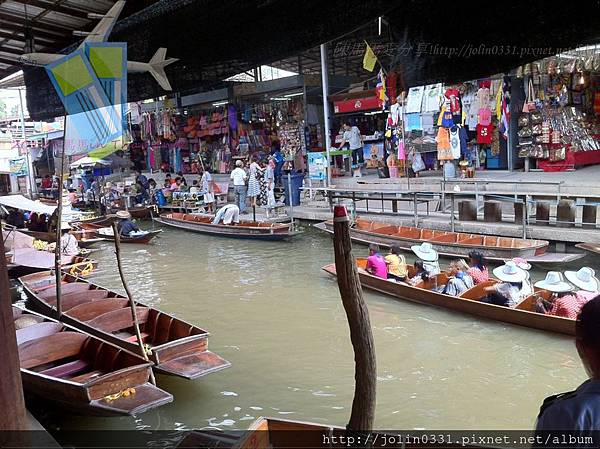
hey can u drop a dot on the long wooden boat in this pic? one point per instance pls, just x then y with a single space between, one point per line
590 247
94 223
142 238
84 239
246 229
176 347
455 244
79 266
469 302
82 372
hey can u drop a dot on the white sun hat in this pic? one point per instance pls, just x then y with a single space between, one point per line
522 263
510 272
554 282
425 252
585 279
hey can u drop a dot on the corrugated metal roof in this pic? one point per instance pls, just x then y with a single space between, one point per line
52 23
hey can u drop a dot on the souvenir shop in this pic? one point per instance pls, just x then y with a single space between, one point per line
559 121
215 135
367 110
457 128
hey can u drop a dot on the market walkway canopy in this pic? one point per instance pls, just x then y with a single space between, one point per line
20 202
428 40
88 162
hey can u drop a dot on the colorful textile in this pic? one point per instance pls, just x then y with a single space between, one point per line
567 306
478 274
484 134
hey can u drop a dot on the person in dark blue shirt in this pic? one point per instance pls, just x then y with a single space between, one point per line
125 225
579 410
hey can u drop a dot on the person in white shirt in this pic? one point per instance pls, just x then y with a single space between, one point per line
228 213
353 138
239 177
68 242
209 196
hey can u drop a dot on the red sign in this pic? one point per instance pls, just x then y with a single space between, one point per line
356 105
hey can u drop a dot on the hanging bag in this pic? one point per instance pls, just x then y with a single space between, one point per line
529 105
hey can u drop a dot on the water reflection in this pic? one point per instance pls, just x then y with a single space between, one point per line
278 318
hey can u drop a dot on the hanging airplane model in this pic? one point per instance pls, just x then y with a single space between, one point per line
156 65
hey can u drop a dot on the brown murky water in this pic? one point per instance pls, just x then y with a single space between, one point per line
278 318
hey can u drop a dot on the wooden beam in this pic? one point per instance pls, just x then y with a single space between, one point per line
60 30
54 7
10 62
11 388
19 27
18 36
10 50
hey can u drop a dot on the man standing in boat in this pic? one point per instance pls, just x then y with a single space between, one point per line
239 177
579 410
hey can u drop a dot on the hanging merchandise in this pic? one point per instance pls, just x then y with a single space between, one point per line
413 122
453 96
483 97
446 119
484 134
444 149
432 98
414 99
485 116
455 141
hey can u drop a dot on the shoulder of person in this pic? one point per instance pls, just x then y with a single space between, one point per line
556 400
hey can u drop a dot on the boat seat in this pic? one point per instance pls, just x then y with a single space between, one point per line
83 378
134 339
71 287
37 331
66 369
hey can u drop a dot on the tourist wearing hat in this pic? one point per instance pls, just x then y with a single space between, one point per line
508 292
586 281
564 301
527 285
125 225
478 269
68 242
429 256
577 411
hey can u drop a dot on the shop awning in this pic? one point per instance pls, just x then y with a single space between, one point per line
20 202
87 162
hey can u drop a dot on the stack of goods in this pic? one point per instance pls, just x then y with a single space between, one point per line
203 125
292 140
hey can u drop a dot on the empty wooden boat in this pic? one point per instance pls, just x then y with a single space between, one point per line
444 242
246 229
94 223
590 247
82 372
176 347
469 302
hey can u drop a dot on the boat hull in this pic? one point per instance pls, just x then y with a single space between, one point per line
143 239
178 348
443 249
463 305
80 268
240 232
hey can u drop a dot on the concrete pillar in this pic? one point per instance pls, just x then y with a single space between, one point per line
589 216
542 213
492 212
467 210
518 213
565 214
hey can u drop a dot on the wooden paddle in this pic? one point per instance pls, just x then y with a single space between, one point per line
365 375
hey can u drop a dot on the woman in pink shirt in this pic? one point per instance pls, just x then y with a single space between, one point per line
586 281
478 270
376 263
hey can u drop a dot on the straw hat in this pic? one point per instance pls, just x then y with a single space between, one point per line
585 279
554 282
64 226
522 263
425 252
238 163
510 272
123 214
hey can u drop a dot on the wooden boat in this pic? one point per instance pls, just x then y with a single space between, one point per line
142 238
455 244
141 212
246 229
469 302
590 247
177 348
82 372
79 266
94 223
84 239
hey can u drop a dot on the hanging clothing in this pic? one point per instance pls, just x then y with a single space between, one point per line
414 99
413 122
263 199
453 95
432 98
485 116
443 145
427 123
455 142
253 184
463 136
484 134
483 97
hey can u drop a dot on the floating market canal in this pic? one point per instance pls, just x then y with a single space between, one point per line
277 317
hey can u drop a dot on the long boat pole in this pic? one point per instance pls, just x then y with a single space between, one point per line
365 374
58 247
14 416
136 323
